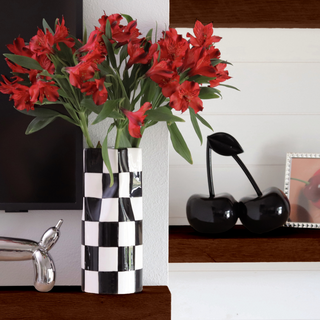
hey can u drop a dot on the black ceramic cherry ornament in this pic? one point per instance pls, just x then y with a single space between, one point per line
260 213
216 213
264 211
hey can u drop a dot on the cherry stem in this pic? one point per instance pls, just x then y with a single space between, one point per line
248 174
209 172
306 182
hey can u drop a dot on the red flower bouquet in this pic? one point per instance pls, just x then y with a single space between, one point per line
116 74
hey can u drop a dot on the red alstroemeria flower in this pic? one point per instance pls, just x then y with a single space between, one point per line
114 20
137 55
160 72
203 65
221 75
42 43
15 67
45 63
186 95
81 72
173 47
95 42
128 33
170 86
41 89
96 56
7 87
18 93
203 35
61 34
21 97
97 89
19 47
136 119
214 53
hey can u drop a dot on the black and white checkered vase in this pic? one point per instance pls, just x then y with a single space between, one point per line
111 250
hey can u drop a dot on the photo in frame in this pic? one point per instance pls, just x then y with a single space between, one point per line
302 187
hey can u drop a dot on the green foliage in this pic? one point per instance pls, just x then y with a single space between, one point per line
23 61
123 87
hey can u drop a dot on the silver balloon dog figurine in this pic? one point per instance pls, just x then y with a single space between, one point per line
13 249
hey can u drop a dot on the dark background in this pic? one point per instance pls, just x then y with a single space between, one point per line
42 170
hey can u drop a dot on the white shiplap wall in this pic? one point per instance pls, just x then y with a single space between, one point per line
276 111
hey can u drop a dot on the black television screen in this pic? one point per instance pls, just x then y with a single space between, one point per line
42 170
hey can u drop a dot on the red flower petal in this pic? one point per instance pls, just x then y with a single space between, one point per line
136 119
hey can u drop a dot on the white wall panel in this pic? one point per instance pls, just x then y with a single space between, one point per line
268 88
265 139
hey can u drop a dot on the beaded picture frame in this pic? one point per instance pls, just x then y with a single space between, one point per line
302 187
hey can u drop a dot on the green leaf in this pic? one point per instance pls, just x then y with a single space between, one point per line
45 115
203 121
41 112
201 79
23 61
39 123
195 124
127 17
123 141
46 26
228 86
106 69
116 115
110 55
47 102
107 108
53 76
184 76
68 90
215 62
149 87
65 54
123 53
208 93
62 93
149 35
178 142
78 44
105 155
57 64
108 30
162 114
88 103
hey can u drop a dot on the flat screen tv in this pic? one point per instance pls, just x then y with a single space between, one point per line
43 170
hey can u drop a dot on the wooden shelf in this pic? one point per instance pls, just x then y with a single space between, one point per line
246 13
240 245
153 303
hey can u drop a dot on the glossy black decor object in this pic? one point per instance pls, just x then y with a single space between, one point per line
266 212
216 213
259 213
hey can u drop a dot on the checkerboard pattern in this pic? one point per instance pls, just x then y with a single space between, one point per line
111 250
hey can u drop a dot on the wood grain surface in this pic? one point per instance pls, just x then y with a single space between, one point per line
246 13
153 303
240 245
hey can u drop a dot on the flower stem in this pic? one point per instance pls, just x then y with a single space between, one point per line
117 142
84 128
305 182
